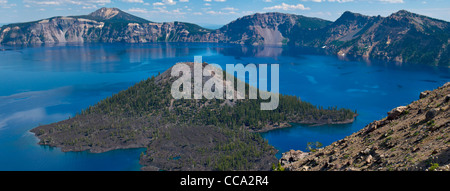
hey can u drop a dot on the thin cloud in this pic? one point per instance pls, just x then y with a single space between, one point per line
133 1
5 4
230 9
137 10
169 2
339 1
66 2
287 7
392 1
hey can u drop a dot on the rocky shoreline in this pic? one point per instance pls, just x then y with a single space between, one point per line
276 126
94 149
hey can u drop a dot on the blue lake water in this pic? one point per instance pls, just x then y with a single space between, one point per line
41 85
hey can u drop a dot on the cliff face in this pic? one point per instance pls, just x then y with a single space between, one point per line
268 28
103 25
413 137
145 32
400 37
53 30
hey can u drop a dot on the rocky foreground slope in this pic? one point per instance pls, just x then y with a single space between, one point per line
415 137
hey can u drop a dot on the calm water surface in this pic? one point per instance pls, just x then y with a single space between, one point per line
41 85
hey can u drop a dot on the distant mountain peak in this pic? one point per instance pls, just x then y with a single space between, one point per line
402 13
350 13
347 15
268 14
105 13
407 14
116 15
271 13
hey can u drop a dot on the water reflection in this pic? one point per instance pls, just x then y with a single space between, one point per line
274 52
99 57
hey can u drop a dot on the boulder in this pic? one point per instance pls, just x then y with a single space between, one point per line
447 98
395 113
366 151
372 126
424 94
305 168
369 159
420 111
353 169
332 158
446 84
431 113
292 156
328 165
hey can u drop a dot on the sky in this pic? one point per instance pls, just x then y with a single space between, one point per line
216 12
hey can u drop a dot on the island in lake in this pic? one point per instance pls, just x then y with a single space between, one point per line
184 134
